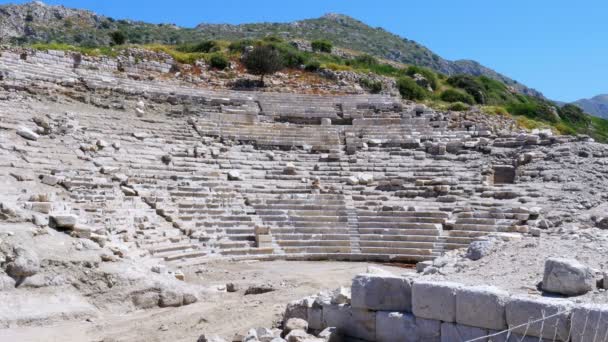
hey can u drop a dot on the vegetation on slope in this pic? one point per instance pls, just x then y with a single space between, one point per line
456 92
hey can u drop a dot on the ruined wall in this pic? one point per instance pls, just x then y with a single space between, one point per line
388 308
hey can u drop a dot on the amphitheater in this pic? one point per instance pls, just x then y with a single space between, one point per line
162 172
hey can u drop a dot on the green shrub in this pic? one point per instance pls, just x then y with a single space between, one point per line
205 46
573 114
410 90
273 39
451 95
312 65
534 109
366 60
240 45
459 107
118 37
293 59
373 87
469 84
322 46
263 60
430 76
219 61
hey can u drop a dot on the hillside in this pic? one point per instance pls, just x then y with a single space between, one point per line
36 22
597 106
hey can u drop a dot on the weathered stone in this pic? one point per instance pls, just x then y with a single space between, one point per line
170 298
50 180
358 323
234 175
567 276
481 306
63 220
395 326
210 338
451 332
422 265
479 249
589 323
27 133
435 300
602 223
295 324
330 334
522 309
382 293
25 264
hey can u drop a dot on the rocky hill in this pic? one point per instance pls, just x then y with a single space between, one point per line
597 105
37 22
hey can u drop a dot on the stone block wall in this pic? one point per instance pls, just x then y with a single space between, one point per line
388 308
131 61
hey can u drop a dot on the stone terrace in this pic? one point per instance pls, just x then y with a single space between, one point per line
206 174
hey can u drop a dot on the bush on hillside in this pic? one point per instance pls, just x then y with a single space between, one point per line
573 114
205 46
312 66
430 76
470 85
322 46
118 38
263 60
366 60
373 87
451 95
410 90
219 61
459 107
240 45
534 109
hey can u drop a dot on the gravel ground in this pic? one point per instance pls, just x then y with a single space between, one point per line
517 266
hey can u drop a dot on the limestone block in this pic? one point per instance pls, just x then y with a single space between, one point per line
395 326
50 180
315 317
451 332
63 220
568 277
353 322
435 300
589 323
234 175
428 330
481 306
382 292
522 309
41 207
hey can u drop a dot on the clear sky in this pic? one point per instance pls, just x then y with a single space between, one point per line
559 47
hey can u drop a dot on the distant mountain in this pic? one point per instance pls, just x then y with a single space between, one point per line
36 22
597 106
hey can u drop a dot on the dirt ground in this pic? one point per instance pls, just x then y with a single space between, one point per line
221 313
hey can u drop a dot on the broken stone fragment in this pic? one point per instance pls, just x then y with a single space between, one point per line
62 220
128 191
27 133
234 175
290 169
25 264
50 180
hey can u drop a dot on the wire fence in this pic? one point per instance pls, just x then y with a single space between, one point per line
593 330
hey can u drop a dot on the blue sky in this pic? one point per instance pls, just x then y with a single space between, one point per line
559 47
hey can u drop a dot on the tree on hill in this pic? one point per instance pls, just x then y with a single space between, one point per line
118 37
263 60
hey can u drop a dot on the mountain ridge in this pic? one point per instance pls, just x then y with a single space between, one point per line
597 105
37 22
